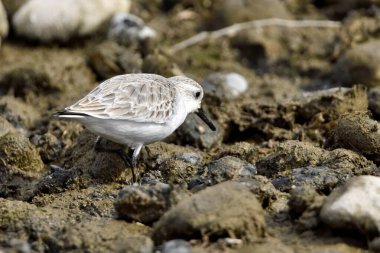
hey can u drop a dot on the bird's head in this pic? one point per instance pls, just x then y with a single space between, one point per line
192 93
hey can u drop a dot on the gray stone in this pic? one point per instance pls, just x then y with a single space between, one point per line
231 12
225 85
360 65
146 203
108 59
223 169
228 209
270 198
194 132
135 244
230 167
321 178
374 101
176 246
354 206
306 161
127 29
193 158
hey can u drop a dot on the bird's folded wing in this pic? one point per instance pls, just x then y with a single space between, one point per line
148 98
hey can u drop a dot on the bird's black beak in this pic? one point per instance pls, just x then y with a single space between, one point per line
203 116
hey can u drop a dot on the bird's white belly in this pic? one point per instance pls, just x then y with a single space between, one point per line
132 133
127 132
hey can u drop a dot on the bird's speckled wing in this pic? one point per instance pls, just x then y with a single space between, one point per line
136 97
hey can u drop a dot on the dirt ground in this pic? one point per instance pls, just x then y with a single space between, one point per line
304 126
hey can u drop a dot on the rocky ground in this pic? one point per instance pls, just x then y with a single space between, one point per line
292 167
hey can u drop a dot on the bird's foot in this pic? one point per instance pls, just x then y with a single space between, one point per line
122 154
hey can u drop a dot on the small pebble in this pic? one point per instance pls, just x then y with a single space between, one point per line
127 29
176 246
354 206
229 86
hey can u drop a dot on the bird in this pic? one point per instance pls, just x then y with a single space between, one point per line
137 109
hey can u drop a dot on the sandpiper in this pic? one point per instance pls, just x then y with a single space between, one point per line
137 109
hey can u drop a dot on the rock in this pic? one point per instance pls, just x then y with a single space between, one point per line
359 64
321 178
374 101
326 106
374 245
225 86
19 113
14 213
194 132
19 156
106 235
20 164
59 180
26 82
65 68
108 59
99 166
343 165
290 155
170 163
48 146
135 244
300 164
300 199
337 9
270 245
147 203
63 20
71 230
354 206
360 26
259 50
304 205
3 22
176 246
244 150
229 167
17 246
127 29
161 64
360 133
304 49
5 127
271 199
223 169
224 210
191 157
230 12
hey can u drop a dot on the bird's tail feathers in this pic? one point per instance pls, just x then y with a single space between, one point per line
69 114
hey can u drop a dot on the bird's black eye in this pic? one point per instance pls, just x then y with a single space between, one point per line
197 94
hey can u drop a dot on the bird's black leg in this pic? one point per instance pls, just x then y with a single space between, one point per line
121 152
135 154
